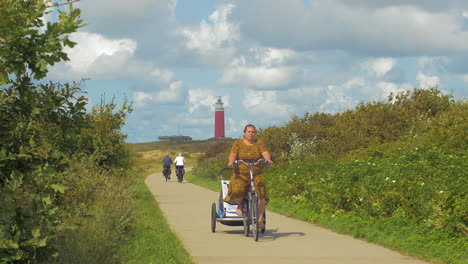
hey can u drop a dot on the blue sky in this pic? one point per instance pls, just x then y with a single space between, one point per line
268 59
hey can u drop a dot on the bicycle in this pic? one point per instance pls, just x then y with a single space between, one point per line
167 173
180 174
250 204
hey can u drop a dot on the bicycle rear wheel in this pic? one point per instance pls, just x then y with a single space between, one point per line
254 216
179 175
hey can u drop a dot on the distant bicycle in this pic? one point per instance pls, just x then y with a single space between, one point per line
180 173
167 173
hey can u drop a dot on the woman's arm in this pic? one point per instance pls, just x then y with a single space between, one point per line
266 157
232 158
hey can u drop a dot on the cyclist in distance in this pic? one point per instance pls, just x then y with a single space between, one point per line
179 162
167 161
243 149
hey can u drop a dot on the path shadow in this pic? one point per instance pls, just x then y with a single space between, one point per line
269 235
240 231
273 234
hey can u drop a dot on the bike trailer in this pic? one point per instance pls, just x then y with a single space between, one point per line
225 213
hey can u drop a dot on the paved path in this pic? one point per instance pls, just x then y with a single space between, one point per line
187 208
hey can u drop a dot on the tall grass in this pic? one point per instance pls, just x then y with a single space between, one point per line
99 211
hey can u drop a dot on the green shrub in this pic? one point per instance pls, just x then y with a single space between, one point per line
428 185
406 116
39 126
211 167
98 212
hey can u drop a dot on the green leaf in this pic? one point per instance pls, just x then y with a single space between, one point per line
58 188
3 78
47 200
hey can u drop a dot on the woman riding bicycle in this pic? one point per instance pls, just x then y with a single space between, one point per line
244 149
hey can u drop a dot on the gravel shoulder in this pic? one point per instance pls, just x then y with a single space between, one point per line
187 208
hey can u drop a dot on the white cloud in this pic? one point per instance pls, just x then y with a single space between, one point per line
258 77
210 37
231 126
271 57
163 75
464 77
265 104
334 25
141 98
433 63
168 95
123 18
387 88
354 83
379 66
465 14
336 100
96 56
198 98
264 69
427 81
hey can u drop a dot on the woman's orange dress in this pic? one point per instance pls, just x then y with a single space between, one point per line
240 178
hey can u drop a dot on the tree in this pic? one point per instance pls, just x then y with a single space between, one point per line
27 44
38 126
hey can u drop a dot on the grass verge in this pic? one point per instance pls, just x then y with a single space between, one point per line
153 239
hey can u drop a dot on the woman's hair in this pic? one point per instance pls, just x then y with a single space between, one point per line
249 125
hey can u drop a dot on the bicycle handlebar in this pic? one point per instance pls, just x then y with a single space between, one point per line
250 162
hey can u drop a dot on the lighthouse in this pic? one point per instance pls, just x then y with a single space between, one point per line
219 119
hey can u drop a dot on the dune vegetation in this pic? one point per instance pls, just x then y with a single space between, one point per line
392 172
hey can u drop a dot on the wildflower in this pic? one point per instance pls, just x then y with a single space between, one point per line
422 184
333 215
373 164
360 199
294 173
387 179
393 181
441 191
356 160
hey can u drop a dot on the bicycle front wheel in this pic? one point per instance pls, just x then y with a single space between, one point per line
254 216
246 217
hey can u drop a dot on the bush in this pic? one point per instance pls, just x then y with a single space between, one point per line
45 132
211 167
99 210
428 185
39 127
406 116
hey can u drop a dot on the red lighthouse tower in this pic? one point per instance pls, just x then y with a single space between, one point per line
219 119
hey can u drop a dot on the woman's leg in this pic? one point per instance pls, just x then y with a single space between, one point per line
239 206
261 210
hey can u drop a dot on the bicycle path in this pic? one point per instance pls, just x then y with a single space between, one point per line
187 208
